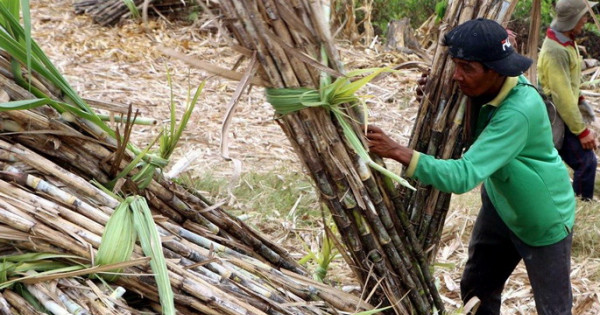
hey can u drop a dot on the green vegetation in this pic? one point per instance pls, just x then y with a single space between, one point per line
418 11
278 194
275 199
381 12
523 11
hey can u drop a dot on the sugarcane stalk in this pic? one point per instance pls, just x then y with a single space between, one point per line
92 215
64 224
41 163
302 286
199 254
4 306
226 223
19 303
47 299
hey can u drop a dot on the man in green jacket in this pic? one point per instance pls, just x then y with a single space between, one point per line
559 75
528 206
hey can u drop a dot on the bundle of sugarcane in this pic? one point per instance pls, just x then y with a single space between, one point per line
67 146
292 44
67 296
52 145
206 276
438 128
113 11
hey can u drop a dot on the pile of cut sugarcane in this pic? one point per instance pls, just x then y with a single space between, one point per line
64 173
216 265
112 11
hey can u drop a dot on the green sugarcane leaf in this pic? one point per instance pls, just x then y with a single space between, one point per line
343 100
64 269
169 143
135 13
31 257
118 239
40 266
24 104
39 61
27 28
390 174
331 96
351 88
13 7
307 258
375 311
311 104
133 164
357 146
171 104
152 247
16 40
144 177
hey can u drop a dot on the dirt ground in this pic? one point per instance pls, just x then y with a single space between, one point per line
124 65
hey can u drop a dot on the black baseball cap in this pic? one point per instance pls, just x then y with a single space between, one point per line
486 41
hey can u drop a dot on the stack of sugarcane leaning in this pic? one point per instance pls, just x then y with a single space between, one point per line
389 232
112 11
438 129
85 214
293 46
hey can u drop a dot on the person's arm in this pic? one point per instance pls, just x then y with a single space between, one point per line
559 84
382 145
566 102
499 143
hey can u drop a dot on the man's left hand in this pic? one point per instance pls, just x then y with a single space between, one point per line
589 142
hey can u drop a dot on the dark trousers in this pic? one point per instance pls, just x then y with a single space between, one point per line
494 252
582 162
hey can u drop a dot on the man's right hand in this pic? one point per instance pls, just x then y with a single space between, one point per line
381 144
589 142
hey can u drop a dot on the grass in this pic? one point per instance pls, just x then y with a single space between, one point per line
283 205
276 195
586 235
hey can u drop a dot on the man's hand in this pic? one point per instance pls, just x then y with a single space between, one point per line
512 38
421 82
589 142
382 145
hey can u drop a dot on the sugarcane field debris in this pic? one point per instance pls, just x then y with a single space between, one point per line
53 214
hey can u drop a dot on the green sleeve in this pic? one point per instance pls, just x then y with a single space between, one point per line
499 143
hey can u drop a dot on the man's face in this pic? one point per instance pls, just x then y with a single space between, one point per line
473 78
578 29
